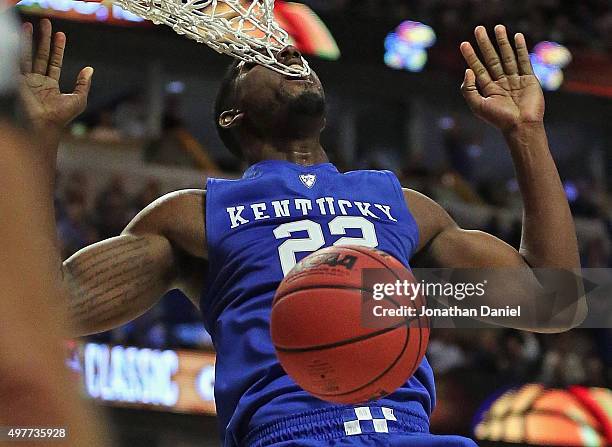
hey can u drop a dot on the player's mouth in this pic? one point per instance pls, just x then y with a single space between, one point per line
304 78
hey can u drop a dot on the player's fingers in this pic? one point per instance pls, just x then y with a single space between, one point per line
506 50
26 48
524 62
489 53
470 90
482 75
57 56
83 84
41 61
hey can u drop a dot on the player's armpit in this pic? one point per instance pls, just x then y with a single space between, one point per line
477 256
180 217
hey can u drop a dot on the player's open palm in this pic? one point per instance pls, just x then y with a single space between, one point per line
503 90
46 106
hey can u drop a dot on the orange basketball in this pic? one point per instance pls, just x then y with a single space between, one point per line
330 338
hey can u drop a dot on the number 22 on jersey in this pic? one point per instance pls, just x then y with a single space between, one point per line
315 239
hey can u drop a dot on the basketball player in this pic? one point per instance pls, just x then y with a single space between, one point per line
35 387
228 247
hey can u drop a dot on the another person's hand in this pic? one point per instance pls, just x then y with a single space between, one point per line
47 108
504 90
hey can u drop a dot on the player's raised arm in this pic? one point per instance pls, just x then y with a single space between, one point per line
114 281
504 92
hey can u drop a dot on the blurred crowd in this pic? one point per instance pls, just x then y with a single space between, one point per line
125 118
571 22
513 357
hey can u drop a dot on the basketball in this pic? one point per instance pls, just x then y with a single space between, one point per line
324 332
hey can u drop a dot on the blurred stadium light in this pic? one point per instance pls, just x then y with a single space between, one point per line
406 47
536 415
79 10
548 60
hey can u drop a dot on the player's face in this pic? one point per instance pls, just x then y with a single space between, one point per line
267 95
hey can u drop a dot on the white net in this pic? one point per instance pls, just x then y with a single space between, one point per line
244 29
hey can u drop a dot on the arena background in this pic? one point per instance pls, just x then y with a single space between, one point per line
149 129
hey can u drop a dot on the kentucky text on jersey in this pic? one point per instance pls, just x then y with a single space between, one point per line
298 207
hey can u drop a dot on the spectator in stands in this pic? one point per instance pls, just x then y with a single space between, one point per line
77 184
150 192
112 209
517 356
596 253
562 364
150 330
594 371
444 353
177 147
485 351
130 116
105 130
75 229
604 28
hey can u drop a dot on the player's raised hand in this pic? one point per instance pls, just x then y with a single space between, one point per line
503 90
46 106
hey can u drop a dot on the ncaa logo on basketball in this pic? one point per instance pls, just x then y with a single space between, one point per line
308 180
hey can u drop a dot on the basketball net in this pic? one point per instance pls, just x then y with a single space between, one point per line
245 29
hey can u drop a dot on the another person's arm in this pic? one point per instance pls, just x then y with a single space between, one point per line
34 382
505 93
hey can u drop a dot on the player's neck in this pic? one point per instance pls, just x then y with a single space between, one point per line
305 152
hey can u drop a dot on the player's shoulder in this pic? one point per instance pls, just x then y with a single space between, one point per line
172 208
370 172
376 180
182 195
178 199
386 177
420 204
430 216
412 195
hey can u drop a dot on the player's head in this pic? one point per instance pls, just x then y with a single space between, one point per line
255 103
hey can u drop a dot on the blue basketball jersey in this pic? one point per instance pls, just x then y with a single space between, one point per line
257 228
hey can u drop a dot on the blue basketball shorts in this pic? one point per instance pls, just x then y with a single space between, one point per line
359 426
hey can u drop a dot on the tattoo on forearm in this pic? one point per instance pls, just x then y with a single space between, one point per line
114 280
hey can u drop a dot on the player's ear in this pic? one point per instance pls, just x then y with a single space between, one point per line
324 124
230 118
